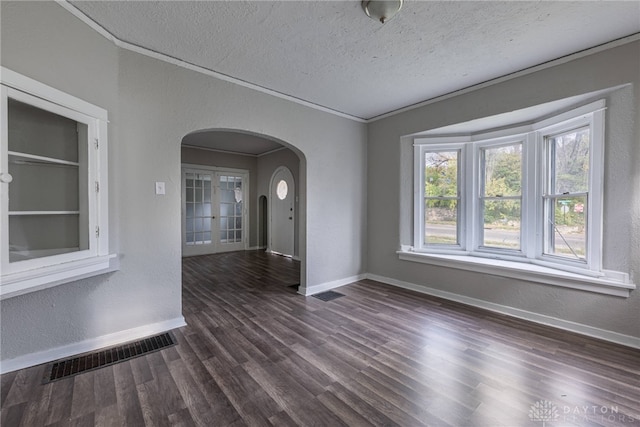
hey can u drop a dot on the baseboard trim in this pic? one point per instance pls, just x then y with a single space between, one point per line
322 287
92 344
542 319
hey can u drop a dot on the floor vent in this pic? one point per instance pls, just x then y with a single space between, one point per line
328 296
110 356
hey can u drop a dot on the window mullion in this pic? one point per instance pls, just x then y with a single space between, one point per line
418 196
595 204
468 194
532 188
4 190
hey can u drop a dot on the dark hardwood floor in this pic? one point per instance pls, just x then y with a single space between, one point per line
256 353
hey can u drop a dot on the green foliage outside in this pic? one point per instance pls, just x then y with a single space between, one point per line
503 178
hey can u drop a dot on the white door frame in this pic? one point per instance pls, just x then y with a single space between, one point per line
270 203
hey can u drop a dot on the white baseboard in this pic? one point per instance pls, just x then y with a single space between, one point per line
322 287
579 328
92 344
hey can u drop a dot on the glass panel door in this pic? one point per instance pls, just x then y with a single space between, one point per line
214 211
198 208
231 224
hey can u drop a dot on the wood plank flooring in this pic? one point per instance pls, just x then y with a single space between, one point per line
255 353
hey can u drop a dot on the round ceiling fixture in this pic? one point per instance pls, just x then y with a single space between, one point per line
382 10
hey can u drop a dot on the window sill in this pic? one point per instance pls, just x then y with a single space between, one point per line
25 282
619 287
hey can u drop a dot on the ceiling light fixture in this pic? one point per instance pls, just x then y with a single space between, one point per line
382 10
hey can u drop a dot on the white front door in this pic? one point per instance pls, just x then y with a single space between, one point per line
214 211
282 214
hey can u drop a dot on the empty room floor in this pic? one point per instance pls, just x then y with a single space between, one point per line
257 353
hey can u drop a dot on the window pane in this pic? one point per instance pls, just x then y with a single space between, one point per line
226 209
502 224
503 171
42 133
43 186
441 219
441 173
566 233
228 196
36 236
569 162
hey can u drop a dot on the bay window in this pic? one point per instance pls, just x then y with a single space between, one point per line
526 195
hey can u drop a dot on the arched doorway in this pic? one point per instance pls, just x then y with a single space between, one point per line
235 150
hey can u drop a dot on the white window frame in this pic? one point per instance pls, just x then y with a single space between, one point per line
444 144
34 274
529 263
478 225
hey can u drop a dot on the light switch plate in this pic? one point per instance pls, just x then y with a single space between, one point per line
159 187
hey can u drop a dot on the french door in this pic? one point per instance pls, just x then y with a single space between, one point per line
214 211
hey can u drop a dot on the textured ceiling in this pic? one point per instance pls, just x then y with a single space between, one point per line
331 54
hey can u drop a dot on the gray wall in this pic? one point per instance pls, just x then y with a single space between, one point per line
152 105
390 182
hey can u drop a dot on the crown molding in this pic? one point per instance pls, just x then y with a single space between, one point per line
189 66
227 78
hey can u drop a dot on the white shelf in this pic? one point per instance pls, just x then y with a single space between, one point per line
42 159
24 213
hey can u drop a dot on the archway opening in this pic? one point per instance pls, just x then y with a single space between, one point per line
231 152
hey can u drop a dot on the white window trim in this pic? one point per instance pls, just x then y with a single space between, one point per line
45 272
609 282
530 264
